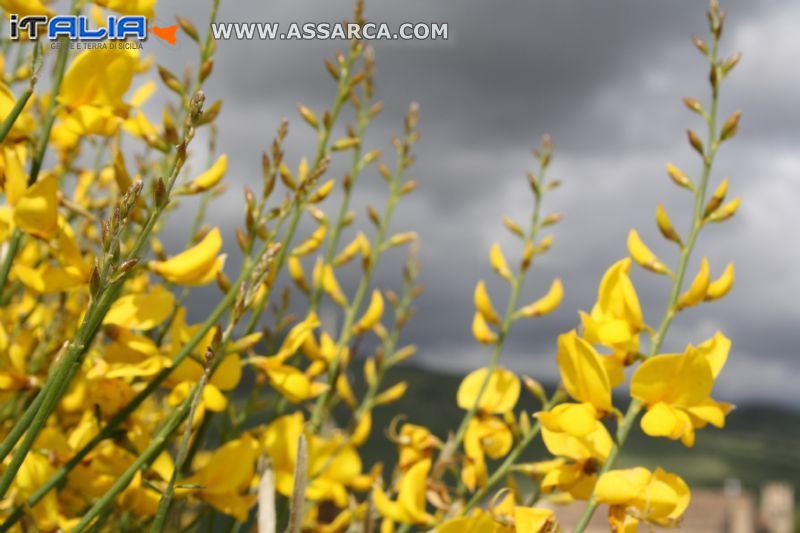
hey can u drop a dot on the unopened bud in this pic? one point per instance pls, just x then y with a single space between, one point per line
544 244
717 198
679 177
693 105
665 225
170 80
345 144
731 126
308 116
695 142
513 227
160 195
374 216
726 211
700 45
407 187
551 219
189 29
731 62
242 240
205 69
223 282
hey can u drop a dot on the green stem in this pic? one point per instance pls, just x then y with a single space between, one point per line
697 223
516 288
166 500
343 88
344 207
323 402
9 121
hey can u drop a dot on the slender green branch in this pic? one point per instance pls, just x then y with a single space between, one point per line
343 90
517 283
636 406
323 401
160 519
357 165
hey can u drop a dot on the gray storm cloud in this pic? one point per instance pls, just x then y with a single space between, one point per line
605 79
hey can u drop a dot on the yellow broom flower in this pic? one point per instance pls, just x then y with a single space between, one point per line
196 266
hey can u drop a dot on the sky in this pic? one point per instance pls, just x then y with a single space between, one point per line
604 79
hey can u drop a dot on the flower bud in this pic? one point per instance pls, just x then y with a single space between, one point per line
189 29
717 198
308 116
679 177
731 126
726 211
666 227
695 142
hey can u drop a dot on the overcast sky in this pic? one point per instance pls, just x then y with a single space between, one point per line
605 80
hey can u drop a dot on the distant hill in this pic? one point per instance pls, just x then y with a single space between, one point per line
760 443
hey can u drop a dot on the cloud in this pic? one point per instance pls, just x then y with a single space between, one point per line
605 79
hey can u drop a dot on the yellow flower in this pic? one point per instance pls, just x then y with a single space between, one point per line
210 177
478 522
519 518
617 315
615 320
416 444
372 315
577 419
409 508
500 395
546 304
481 330
25 8
211 398
47 514
697 290
36 210
498 262
658 497
289 381
226 477
583 373
579 459
130 7
643 255
721 286
333 464
198 265
141 311
99 77
676 390
486 435
483 304
93 88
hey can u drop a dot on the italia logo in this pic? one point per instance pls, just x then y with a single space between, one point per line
77 28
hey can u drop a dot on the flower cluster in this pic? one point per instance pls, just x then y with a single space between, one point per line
121 409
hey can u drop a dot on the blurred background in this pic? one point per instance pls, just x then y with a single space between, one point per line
605 80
